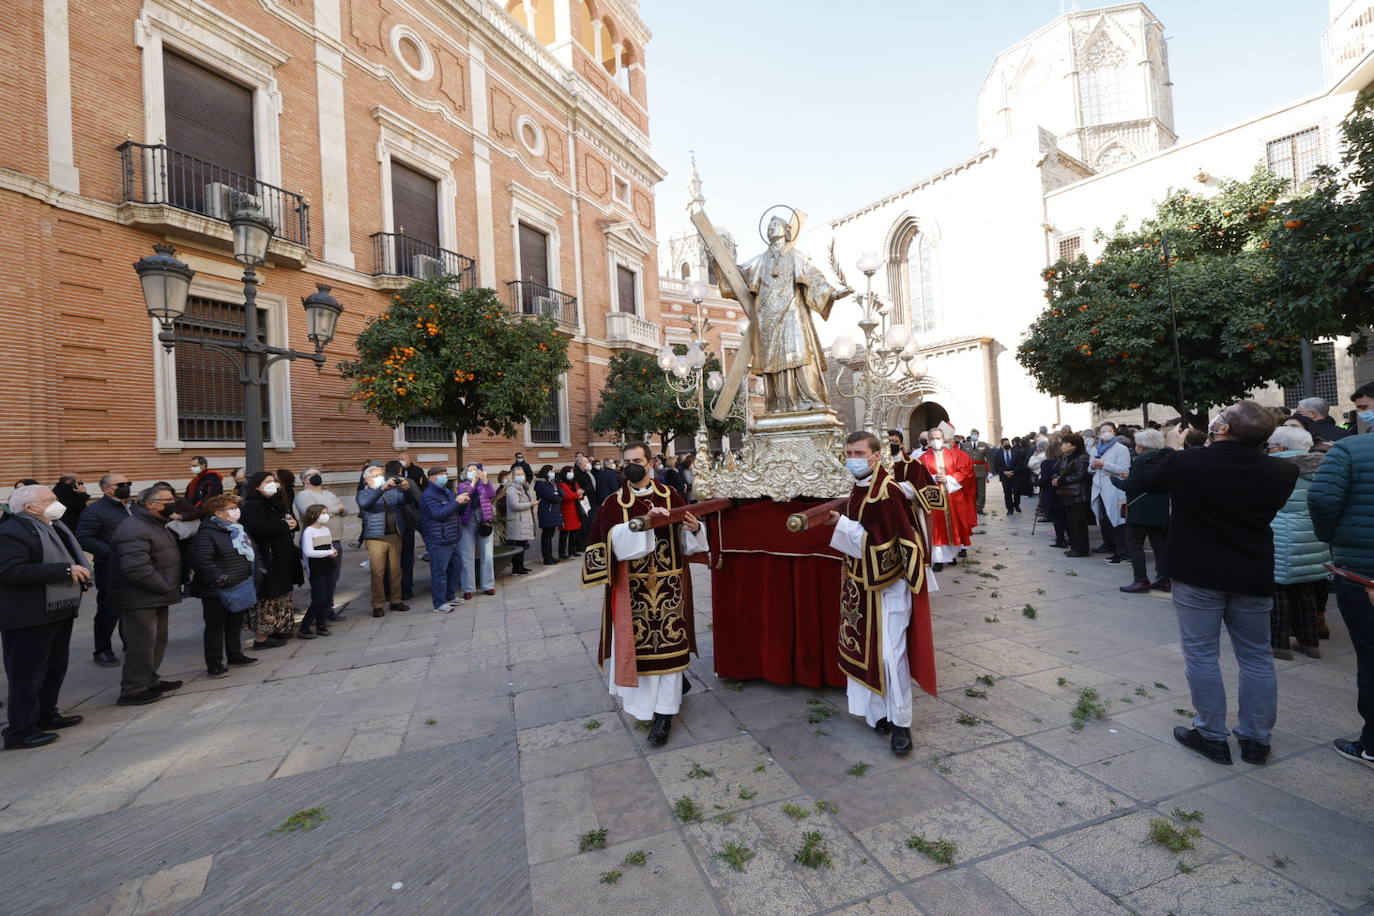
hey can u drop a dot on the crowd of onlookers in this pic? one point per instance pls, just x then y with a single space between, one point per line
243 543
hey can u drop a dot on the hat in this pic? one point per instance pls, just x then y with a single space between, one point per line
436 471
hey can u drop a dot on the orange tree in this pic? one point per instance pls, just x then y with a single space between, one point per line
1324 252
637 399
1105 334
458 359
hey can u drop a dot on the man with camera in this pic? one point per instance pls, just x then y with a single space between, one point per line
381 503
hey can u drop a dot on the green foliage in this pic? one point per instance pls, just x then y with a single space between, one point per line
636 398
636 857
459 359
825 807
968 720
1163 832
747 793
593 725
859 768
698 771
940 850
1029 611
687 810
986 679
1087 707
813 852
735 855
794 811
592 839
975 693
1189 816
611 877
1105 334
307 819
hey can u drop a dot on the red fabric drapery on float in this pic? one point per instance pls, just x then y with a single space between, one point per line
775 597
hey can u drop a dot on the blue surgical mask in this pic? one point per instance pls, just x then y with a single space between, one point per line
441 480
858 467
1366 416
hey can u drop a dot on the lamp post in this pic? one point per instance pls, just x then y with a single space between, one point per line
684 371
887 349
166 284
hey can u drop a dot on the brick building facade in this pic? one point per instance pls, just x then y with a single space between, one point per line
387 139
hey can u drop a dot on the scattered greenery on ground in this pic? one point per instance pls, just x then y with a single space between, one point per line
1037 720
431 721
1126 699
819 732
747 793
1072 651
1159 686
1186 713
1184 868
957 581
939 850
825 807
735 855
306 819
813 852
611 877
858 769
996 594
997 565
760 768
1040 591
736 686
1070 572
687 810
1141 692
940 768
725 819
794 811
1281 861
987 679
698 771
966 719
643 726
593 725
819 713
592 839
1063 681
1171 837
1188 816
1029 611
992 619
988 575
1089 706
975 693
637 857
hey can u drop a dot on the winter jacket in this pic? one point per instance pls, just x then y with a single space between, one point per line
204 485
97 528
75 502
24 575
1115 460
550 504
520 521
265 523
1074 479
607 485
481 507
1341 500
438 516
1143 508
1049 496
572 512
1298 555
374 505
216 563
147 563
1327 429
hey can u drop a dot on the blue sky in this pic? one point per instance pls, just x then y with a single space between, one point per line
827 106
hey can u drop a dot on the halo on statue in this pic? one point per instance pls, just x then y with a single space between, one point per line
793 223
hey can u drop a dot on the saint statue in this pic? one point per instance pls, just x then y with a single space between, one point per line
785 350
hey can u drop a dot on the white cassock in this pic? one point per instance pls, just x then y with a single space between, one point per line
656 693
848 539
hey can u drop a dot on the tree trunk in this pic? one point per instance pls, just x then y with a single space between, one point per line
458 448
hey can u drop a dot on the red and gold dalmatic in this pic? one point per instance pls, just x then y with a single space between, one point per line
953 525
648 604
894 549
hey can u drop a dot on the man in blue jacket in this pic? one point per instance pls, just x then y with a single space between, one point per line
440 529
1341 501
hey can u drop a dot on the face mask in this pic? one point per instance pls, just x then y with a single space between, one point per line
167 511
441 480
550 475
894 448
938 444
270 488
519 478
472 475
324 517
634 473
1104 435
857 466
195 469
315 480
568 476
1366 416
121 490
234 514
54 511
375 482
403 463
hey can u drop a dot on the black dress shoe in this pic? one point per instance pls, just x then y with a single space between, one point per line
1162 585
376 612
400 606
937 566
270 642
658 732
883 727
1251 751
107 659
218 671
243 660
32 739
1135 588
142 698
1215 751
1103 548
963 552
166 686
901 740
57 720
686 684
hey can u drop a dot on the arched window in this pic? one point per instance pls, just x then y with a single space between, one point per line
913 277
1104 82
686 271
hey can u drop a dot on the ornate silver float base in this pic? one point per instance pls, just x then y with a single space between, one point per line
786 456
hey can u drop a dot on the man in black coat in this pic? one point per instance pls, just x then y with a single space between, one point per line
607 482
1007 464
97 528
145 581
71 492
1319 412
42 575
584 478
1220 555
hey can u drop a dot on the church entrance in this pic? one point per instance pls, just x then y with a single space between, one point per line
926 415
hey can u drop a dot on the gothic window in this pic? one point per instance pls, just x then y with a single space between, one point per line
1104 82
1294 156
1113 156
924 297
686 271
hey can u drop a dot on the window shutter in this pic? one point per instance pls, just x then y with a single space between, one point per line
534 255
414 204
625 282
208 116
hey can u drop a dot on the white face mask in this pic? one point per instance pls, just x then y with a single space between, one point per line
1104 434
195 469
472 475
234 514
937 444
375 482
550 475
270 488
54 511
568 475
519 478
324 517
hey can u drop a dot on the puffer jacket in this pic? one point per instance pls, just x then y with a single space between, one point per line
147 563
438 516
374 505
1298 555
1341 500
519 512
215 561
550 504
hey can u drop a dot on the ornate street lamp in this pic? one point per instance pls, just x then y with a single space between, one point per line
166 284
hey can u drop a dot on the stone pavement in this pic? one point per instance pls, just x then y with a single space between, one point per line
459 760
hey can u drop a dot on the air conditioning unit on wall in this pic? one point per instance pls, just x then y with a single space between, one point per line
221 200
426 267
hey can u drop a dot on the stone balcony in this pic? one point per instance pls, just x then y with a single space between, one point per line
625 329
1346 46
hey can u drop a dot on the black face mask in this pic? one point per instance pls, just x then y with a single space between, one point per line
167 511
634 473
894 448
315 480
121 490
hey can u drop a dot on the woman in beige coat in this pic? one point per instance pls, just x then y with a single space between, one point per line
518 494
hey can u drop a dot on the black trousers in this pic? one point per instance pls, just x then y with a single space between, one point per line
1011 494
517 562
546 543
1136 536
1077 518
1358 612
1113 536
567 542
35 666
223 629
1060 518
106 617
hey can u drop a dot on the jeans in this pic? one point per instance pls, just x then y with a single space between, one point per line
444 572
35 666
384 563
324 573
145 632
1201 612
546 543
1359 620
222 632
472 547
1136 535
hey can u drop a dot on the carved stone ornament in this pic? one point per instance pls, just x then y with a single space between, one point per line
786 456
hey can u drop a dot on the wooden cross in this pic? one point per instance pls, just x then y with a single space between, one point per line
725 263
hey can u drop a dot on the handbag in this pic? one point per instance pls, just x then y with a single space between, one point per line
484 529
239 597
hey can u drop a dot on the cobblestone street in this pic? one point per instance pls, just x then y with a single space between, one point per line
461 760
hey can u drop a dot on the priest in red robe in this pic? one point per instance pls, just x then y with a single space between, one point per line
951 529
647 633
885 635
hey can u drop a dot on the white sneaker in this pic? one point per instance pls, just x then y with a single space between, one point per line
444 609
365 564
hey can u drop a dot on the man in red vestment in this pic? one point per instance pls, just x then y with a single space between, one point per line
885 633
951 529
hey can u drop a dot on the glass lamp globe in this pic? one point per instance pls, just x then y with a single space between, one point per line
843 347
715 381
322 313
897 336
696 357
919 366
680 367
697 291
666 356
912 347
166 283
252 232
869 263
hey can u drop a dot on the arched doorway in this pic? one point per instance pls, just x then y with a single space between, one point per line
926 415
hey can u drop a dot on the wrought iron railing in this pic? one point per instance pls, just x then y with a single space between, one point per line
395 254
530 298
157 174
